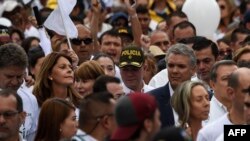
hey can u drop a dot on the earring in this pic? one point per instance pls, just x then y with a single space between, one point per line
50 78
60 130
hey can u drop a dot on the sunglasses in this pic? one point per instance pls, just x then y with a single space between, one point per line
226 52
77 41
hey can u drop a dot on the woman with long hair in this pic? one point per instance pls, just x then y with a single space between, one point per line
191 102
57 121
55 79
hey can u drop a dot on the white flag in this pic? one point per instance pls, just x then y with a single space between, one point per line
59 20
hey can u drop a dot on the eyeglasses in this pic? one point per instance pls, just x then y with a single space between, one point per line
165 43
9 114
78 41
222 53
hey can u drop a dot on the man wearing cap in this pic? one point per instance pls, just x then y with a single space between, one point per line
131 65
119 20
4 36
137 118
126 35
181 63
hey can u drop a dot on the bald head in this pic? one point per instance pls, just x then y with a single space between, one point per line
82 28
83 44
160 39
238 76
238 87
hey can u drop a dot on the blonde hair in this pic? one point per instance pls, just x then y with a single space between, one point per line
181 100
240 52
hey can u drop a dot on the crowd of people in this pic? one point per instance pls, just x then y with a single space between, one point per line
137 71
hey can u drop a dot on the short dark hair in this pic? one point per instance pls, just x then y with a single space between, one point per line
12 55
91 107
18 31
224 40
183 25
177 13
76 19
34 54
112 33
204 43
9 92
213 72
142 9
101 54
101 82
190 40
240 30
26 44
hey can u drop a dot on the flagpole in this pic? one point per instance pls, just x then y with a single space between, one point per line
67 35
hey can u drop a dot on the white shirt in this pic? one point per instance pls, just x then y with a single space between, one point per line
217 110
213 130
146 88
221 137
30 106
82 136
176 117
118 73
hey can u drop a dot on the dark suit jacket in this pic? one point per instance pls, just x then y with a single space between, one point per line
162 95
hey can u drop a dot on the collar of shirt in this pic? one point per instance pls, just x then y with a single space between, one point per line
219 103
85 136
127 90
170 90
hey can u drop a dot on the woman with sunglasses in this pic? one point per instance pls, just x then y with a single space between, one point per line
225 51
227 7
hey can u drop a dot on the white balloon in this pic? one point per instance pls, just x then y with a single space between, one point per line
204 14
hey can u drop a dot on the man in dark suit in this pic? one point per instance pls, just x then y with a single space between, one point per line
181 65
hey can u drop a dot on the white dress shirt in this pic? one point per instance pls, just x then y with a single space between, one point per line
213 130
217 110
146 88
